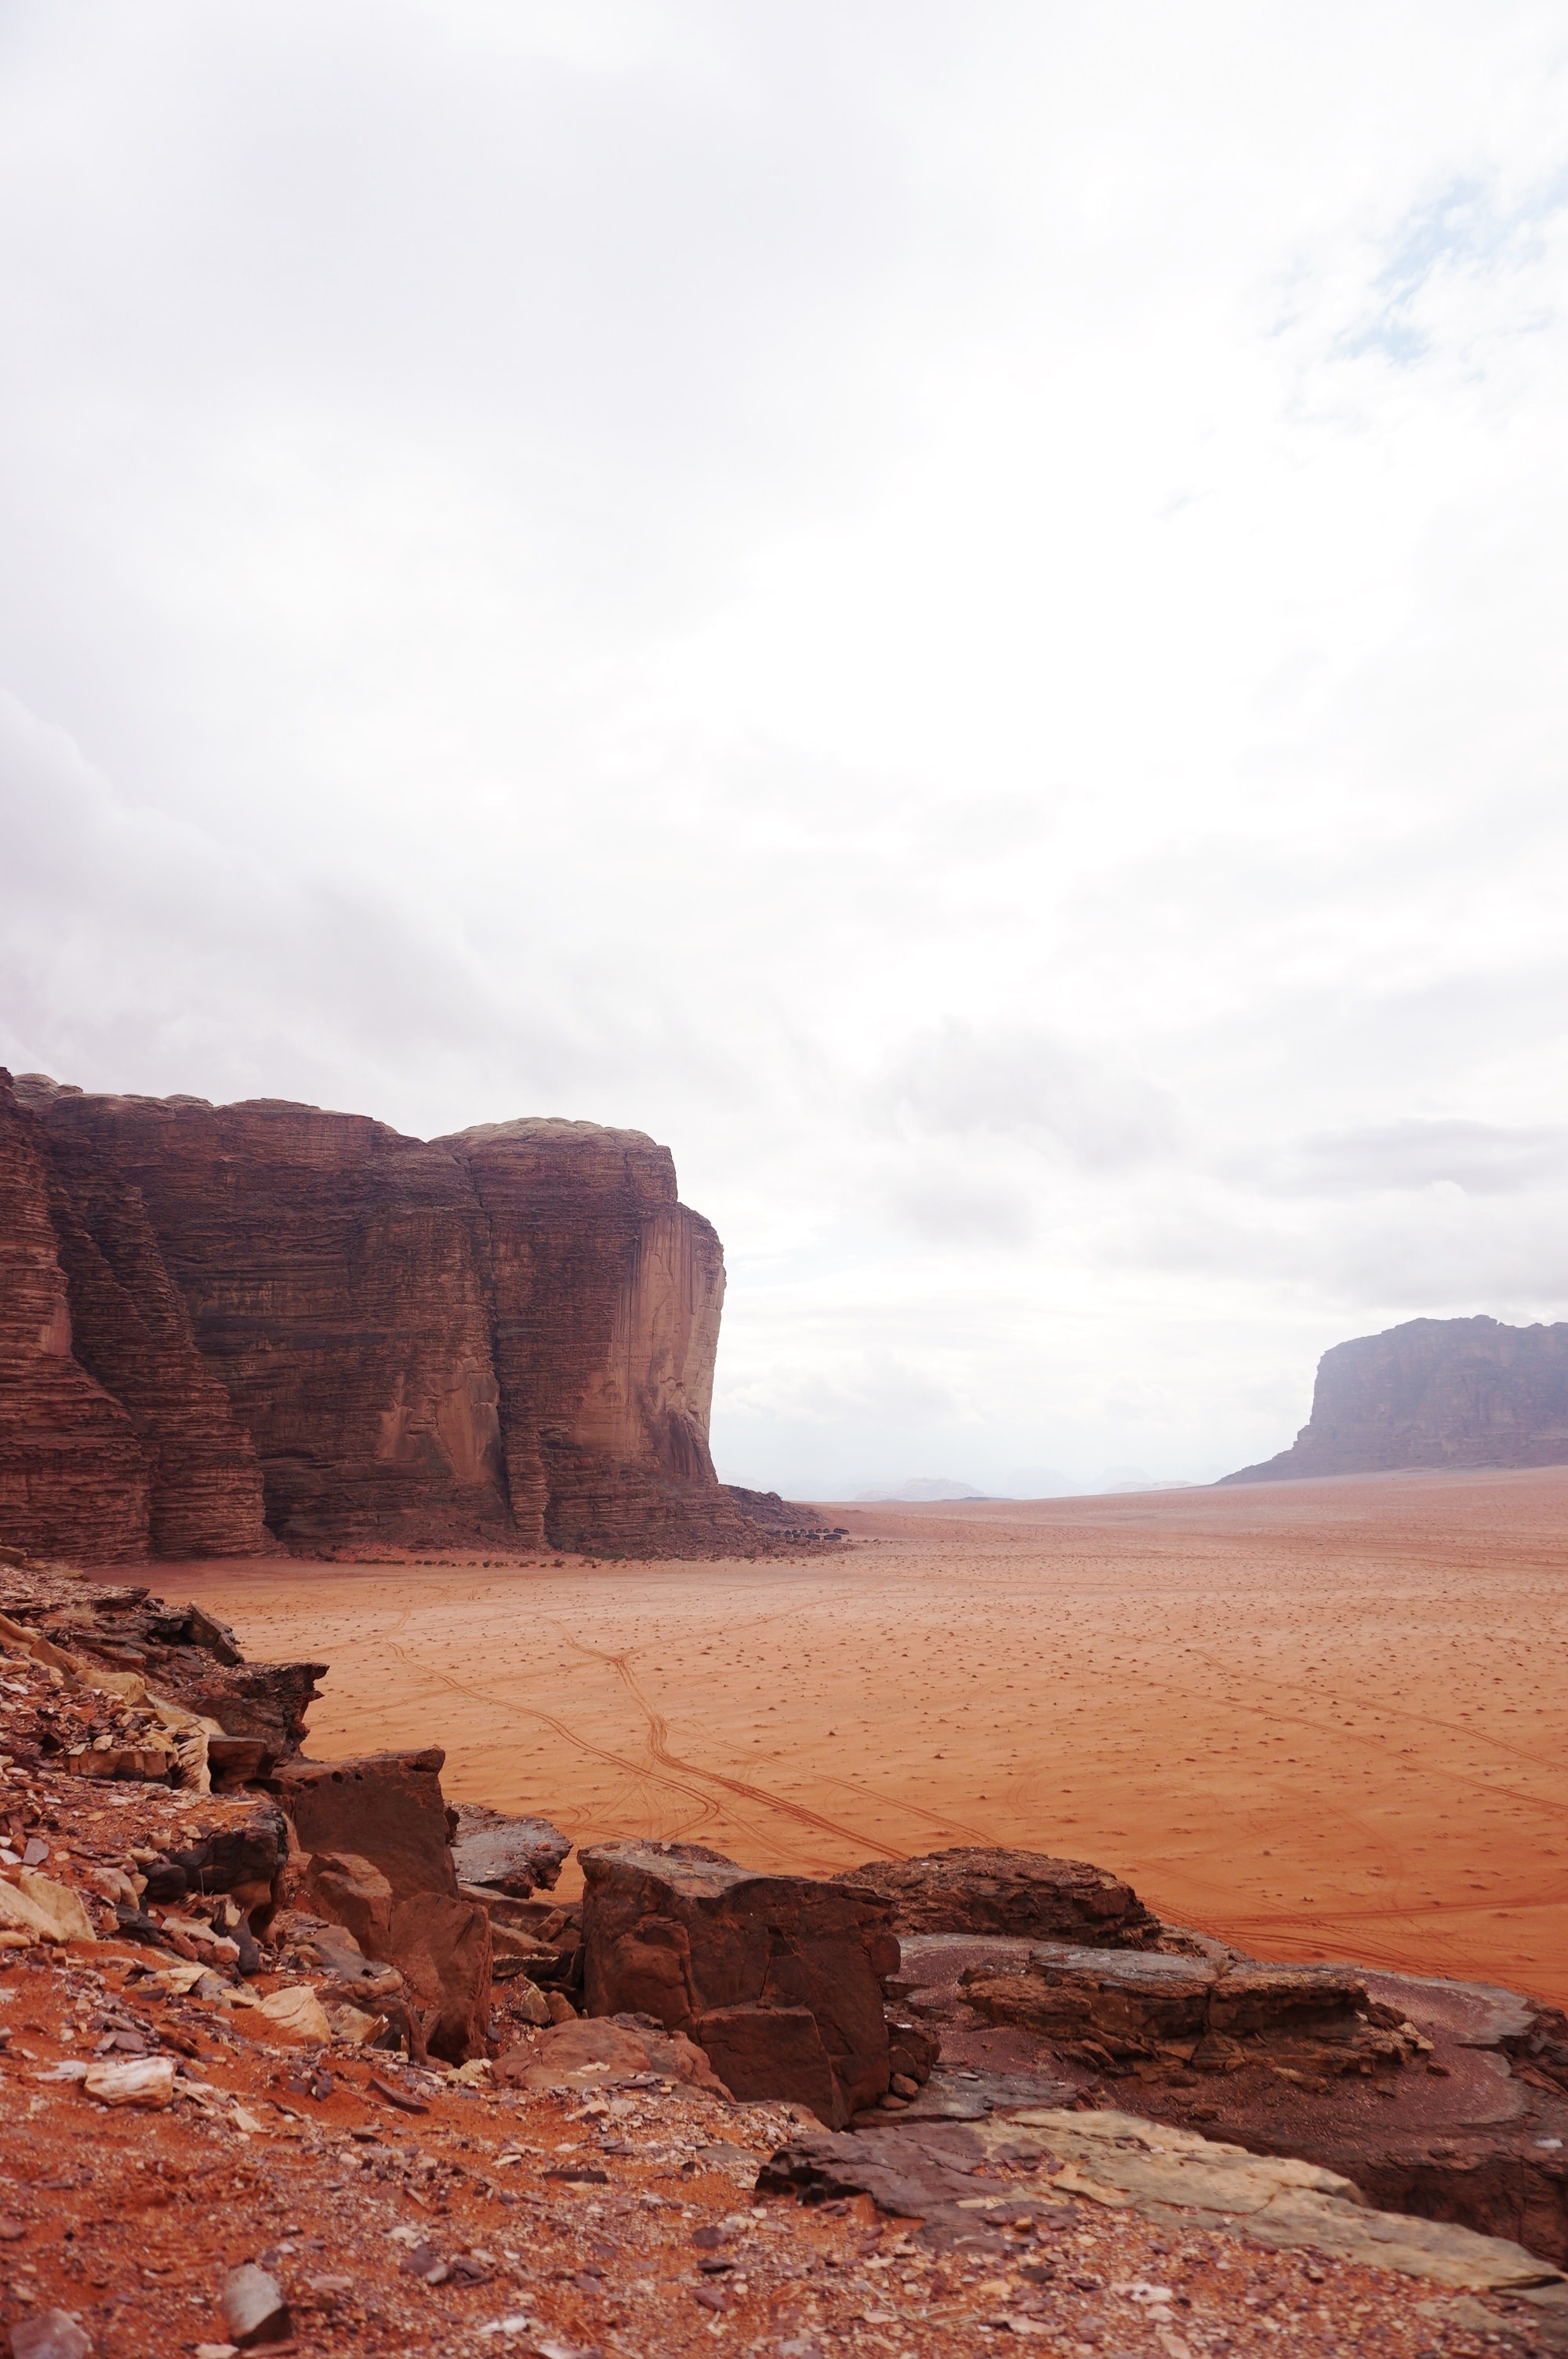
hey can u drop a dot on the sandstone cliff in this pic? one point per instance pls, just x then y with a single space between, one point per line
73 1477
1436 1392
607 1297
303 1325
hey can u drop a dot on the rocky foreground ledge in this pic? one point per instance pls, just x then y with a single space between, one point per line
294 2056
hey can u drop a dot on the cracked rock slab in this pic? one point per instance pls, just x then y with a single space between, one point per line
957 2176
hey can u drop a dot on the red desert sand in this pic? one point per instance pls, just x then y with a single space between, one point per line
1322 1719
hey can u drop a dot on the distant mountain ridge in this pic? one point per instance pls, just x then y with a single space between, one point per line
1435 1392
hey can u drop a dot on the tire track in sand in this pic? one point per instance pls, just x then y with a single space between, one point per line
706 1808
658 1747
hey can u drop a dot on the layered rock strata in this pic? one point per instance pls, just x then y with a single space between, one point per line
228 1325
607 1293
73 1476
1446 2100
1030 1893
1436 1392
1010 2172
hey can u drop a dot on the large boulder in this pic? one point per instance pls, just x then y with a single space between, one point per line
514 1858
373 1832
1025 1894
779 1978
605 2052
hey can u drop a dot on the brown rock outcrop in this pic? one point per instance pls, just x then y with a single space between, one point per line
964 2180
788 1519
1471 2120
778 1978
130 1328
335 1277
179 1652
375 1840
1185 2012
1435 1392
303 1324
1025 1893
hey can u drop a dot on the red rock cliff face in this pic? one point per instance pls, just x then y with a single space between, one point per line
131 1330
1436 1392
608 1294
73 1477
335 1275
507 1337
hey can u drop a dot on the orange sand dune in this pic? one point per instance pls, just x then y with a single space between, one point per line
1322 1719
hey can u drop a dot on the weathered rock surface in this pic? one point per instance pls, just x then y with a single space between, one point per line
376 1858
124 1632
254 2310
778 1978
1447 2100
1433 1392
335 1275
1026 1893
960 2176
73 1476
130 1328
605 2051
226 1322
1192 2012
511 1857
606 1296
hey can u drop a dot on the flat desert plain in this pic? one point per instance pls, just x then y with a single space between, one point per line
1323 1720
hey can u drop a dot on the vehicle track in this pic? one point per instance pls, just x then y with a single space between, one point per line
658 1747
706 1808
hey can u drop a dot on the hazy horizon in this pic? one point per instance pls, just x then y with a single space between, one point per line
957 616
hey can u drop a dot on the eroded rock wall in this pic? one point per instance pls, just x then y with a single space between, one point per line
131 1330
335 1277
305 1325
1433 1392
73 1477
608 1294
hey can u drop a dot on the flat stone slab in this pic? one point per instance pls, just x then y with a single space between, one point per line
959 2177
515 1856
1467 2124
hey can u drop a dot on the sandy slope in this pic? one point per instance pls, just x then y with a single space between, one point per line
1324 1718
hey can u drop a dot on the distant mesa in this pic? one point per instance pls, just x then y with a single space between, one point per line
1118 1479
223 1327
1436 1392
918 1492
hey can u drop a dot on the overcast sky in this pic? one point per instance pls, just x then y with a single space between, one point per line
957 611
